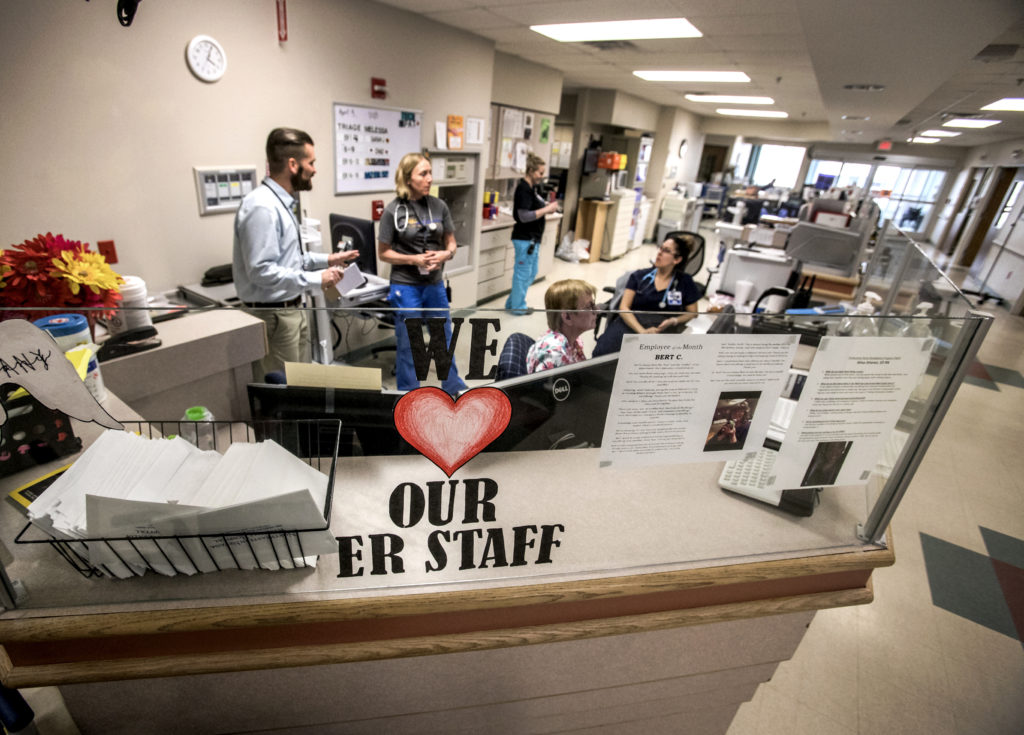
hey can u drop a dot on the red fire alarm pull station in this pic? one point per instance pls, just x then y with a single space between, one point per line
378 88
282 21
378 209
107 250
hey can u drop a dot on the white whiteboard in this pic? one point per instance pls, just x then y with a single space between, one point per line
368 144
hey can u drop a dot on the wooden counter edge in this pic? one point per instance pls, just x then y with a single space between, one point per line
92 671
226 616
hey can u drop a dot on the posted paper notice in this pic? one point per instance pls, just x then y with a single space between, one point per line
693 398
854 395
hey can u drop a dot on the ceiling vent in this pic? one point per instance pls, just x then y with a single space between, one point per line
611 45
968 115
903 121
997 52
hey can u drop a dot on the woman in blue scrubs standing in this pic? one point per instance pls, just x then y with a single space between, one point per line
529 209
417 237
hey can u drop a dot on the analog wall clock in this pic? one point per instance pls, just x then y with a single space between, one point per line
682 148
206 58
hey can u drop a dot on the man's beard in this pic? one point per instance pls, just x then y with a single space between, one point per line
300 182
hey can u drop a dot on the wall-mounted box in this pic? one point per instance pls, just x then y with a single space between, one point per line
221 188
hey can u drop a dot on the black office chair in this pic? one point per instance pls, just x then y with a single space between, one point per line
512 360
695 261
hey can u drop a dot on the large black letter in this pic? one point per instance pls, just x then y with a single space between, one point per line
436 349
479 345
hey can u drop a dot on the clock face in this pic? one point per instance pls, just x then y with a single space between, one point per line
206 58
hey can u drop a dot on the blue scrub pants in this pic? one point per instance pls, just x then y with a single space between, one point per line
411 299
524 272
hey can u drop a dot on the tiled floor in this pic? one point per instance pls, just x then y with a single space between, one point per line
939 650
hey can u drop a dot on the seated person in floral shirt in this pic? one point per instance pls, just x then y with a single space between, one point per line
570 311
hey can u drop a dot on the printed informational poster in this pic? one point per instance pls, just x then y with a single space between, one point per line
693 398
545 129
474 131
456 132
854 395
513 123
368 144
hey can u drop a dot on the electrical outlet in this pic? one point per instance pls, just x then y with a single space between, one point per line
107 250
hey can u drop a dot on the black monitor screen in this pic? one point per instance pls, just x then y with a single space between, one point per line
824 182
561 408
352 233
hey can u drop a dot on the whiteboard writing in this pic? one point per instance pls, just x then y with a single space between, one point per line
368 144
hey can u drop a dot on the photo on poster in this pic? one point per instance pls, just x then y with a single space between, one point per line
730 423
826 463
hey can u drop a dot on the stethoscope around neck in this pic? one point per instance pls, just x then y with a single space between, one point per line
649 278
403 204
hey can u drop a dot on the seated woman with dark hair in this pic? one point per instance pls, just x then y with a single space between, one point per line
665 289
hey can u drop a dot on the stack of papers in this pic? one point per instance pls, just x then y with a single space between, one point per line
239 510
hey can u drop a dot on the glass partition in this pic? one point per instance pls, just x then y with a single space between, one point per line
743 437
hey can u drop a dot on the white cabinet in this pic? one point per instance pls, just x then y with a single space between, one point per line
494 273
620 223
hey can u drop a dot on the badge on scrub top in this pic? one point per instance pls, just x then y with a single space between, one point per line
674 298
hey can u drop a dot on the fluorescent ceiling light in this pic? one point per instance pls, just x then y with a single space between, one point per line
919 139
692 76
730 99
939 133
1013 104
961 122
619 30
751 113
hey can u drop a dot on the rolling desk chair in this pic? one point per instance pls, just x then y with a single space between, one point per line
353 233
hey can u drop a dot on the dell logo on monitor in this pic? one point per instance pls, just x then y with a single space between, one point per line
560 389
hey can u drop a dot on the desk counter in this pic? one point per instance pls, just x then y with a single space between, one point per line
702 588
204 358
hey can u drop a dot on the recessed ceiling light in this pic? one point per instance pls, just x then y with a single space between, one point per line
730 99
864 87
919 139
852 132
856 117
1013 104
751 113
659 75
619 30
960 122
939 133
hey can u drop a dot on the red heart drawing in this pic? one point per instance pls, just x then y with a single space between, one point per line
450 432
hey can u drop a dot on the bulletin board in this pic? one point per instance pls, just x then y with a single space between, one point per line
368 144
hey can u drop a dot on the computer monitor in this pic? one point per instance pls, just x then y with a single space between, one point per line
562 408
352 233
824 182
367 422
826 248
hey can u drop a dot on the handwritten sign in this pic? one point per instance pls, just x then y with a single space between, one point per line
368 144
30 358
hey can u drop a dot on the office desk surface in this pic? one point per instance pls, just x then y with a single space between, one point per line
670 550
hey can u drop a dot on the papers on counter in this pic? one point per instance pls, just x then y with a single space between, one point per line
247 505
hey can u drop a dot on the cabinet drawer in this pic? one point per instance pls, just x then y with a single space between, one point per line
486 289
493 270
495 238
494 255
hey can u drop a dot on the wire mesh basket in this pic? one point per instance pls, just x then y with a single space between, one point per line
315 441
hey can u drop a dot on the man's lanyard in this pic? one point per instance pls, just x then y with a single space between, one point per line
295 219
